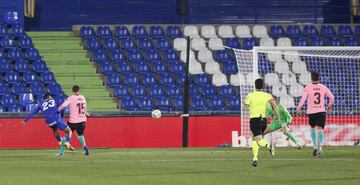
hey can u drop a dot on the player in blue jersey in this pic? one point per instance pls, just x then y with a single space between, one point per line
53 119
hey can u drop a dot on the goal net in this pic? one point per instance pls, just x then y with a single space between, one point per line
286 71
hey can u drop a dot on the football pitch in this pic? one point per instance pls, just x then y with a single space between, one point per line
223 166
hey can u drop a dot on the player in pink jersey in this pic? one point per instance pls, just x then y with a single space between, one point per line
315 94
78 114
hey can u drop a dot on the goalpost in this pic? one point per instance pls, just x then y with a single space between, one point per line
286 71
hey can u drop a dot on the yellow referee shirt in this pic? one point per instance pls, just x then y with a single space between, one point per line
257 102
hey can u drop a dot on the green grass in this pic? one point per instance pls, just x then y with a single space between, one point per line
206 166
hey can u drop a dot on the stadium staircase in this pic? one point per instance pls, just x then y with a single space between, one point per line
67 59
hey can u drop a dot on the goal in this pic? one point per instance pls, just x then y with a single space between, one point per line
286 71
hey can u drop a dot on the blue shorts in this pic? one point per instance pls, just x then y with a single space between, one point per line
57 123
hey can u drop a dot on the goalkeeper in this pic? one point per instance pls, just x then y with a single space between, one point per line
285 119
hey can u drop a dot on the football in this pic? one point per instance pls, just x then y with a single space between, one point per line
156 113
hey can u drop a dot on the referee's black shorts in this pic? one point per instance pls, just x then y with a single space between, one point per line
258 126
317 119
79 127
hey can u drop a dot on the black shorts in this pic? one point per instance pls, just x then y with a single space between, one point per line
317 119
79 127
258 126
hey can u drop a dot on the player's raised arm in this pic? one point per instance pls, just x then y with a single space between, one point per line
65 104
35 111
331 99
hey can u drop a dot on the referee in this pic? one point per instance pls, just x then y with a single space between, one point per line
257 102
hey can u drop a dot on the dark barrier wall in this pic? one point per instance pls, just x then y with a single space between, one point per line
62 14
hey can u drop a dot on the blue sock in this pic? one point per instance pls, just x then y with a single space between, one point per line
321 138
82 140
313 137
58 138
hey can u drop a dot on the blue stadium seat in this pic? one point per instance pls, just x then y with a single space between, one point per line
293 31
12 77
156 32
7 43
25 42
129 104
146 44
156 91
230 68
352 41
327 31
145 104
18 88
3 31
54 89
47 77
317 41
11 18
118 56
310 31
22 65
25 99
87 32
99 56
198 104
216 103
142 68
162 103
233 103
122 32
110 44
2 54
177 68
8 100
277 31
174 32
201 79
60 98
227 91
139 32
163 44
138 91
334 41
30 77
166 79
300 41
14 108
222 56
174 91
107 68
180 79
17 30
148 80
232 42
37 89
209 90
249 43
345 31
5 65
113 80
178 103
14 54
4 89
39 66
121 91
159 67
135 56
30 107
32 54
194 91
153 55
128 44
357 30
92 44
171 56
131 80
124 68
103 32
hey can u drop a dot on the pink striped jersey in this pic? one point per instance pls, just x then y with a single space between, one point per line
315 94
77 108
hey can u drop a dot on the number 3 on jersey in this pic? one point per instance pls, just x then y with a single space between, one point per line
46 105
318 98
